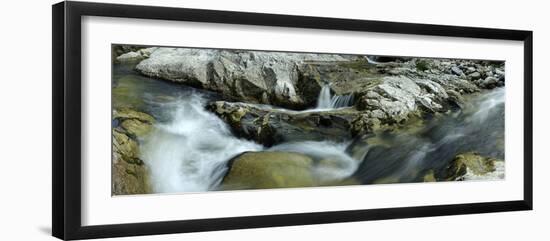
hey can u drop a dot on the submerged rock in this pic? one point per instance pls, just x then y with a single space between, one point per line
269 169
130 174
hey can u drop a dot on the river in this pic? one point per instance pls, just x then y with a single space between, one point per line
189 149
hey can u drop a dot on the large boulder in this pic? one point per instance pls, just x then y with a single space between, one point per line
252 76
130 174
269 169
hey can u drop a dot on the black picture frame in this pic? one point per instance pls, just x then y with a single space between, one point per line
66 47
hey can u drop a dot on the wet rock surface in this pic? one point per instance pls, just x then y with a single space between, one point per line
130 175
270 126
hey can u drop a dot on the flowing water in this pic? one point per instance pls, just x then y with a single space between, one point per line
327 101
401 155
189 149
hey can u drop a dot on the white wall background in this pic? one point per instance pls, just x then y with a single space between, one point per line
25 120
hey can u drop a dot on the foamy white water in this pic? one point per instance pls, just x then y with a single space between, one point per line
189 153
338 164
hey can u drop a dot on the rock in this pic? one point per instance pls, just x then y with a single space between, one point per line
457 71
122 49
252 76
270 126
383 93
468 164
129 57
130 174
137 124
429 176
499 72
259 170
135 56
474 75
397 97
489 82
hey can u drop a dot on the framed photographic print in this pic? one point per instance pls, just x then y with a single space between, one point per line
170 120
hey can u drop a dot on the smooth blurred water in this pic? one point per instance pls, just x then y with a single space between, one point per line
327 101
402 155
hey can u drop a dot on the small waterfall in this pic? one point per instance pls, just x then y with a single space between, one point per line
326 101
339 101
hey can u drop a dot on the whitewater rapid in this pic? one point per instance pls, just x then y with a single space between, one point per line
189 152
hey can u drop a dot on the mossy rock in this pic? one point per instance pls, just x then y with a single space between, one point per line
130 175
124 145
470 162
269 169
130 178
136 127
429 176
127 113
135 123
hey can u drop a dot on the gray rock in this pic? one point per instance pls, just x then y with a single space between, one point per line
457 71
474 75
252 76
398 97
135 56
384 93
489 82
